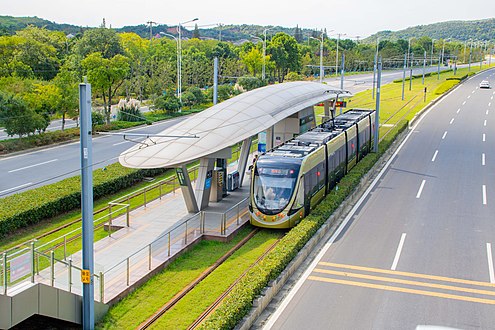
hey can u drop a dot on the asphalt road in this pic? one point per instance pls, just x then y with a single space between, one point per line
55 125
419 250
30 170
33 169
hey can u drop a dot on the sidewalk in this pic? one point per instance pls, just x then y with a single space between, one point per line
156 233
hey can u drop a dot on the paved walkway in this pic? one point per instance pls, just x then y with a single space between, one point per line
156 233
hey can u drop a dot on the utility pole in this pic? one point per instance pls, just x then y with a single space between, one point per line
432 45
411 71
342 72
377 112
215 80
337 53
87 205
321 58
438 77
263 72
150 23
424 67
374 65
404 75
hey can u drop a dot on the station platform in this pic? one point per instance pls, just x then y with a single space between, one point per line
130 255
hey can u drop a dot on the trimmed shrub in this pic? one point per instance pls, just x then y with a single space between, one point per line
33 206
239 302
445 86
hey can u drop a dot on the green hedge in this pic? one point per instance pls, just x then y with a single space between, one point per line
445 86
239 302
415 76
29 207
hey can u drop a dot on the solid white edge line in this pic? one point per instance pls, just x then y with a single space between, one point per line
418 195
20 186
444 135
274 317
490 262
483 159
484 194
434 156
399 250
119 143
34 165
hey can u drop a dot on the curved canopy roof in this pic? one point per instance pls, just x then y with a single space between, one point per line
227 123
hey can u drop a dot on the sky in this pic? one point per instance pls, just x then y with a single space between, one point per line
358 18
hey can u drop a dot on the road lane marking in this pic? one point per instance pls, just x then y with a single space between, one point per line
469 96
489 104
399 250
444 135
18 187
404 290
458 110
451 121
484 124
407 282
463 102
483 159
119 143
30 166
484 137
434 156
408 274
418 195
491 98
487 112
484 194
490 262
473 91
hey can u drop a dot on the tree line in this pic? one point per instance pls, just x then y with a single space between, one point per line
40 69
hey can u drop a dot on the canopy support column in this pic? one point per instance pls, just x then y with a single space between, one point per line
187 189
243 158
203 182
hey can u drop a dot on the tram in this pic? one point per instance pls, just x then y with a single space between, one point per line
288 181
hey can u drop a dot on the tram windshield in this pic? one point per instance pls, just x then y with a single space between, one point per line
273 187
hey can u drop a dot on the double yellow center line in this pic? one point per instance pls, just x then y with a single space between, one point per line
347 275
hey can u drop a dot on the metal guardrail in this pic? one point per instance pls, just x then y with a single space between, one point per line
44 266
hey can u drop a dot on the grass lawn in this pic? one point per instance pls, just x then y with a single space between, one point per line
142 303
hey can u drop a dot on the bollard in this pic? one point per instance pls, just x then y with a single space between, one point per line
127 271
32 262
102 287
5 273
149 257
70 276
127 216
52 267
185 235
65 247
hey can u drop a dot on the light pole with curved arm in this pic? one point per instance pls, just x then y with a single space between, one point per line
179 57
178 70
264 52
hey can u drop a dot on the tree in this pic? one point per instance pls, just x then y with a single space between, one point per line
106 76
253 60
199 97
67 81
284 52
195 32
101 40
298 35
17 117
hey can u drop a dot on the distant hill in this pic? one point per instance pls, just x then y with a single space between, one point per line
9 25
456 30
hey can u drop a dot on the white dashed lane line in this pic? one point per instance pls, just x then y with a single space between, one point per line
444 135
483 159
451 121
484 123
434 156
418 195
483 188
399 250
484 137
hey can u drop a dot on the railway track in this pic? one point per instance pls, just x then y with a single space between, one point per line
167 306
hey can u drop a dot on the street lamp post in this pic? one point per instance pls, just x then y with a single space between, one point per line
432 45
178 63
374 66
179 58
337 53
321 56
263 72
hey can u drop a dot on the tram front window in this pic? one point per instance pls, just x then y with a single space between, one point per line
273 188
